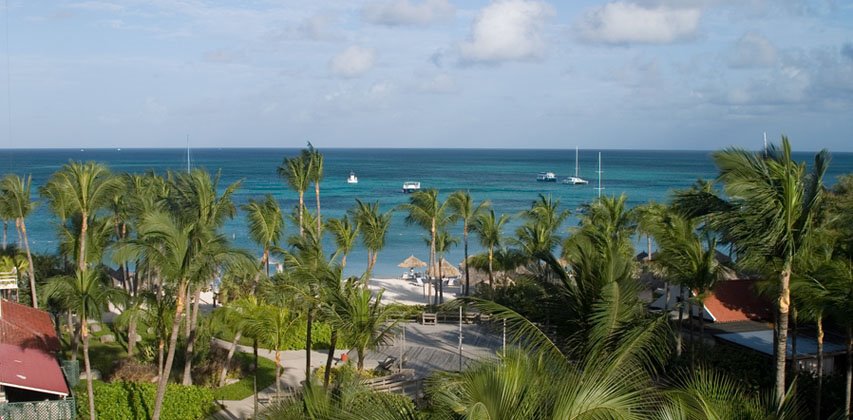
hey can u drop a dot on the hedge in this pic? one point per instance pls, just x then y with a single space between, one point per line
135 400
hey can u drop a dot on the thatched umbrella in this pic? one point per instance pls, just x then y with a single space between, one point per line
412 262
447 270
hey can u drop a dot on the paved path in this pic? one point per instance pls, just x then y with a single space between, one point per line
427 348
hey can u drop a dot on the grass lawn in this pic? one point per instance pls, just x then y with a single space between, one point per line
243 388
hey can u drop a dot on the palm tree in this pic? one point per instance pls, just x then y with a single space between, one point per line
490 230
271 325
345 234
349 400
427 211
266 225
87 295
183 257
373 225
81 188
16 197
768 212
443 243
315 174
361 319
297 173
462 208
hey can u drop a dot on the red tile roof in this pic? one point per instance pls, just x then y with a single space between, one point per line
27 327
27 346
736 300
31 369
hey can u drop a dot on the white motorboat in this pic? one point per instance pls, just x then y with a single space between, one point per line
575 180
352 178
546 177
411 186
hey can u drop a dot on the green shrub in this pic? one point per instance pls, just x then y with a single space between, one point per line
244 387
132 400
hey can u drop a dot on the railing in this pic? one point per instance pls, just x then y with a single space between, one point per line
71 369
403 383
48 410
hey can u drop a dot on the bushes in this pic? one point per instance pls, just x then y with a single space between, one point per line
131 400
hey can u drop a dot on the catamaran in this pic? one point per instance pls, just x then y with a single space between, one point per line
575 180
352 178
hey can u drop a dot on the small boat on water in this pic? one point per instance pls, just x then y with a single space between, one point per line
575 180
352 178
546 177
411 186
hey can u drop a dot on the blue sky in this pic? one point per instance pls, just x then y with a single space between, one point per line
683 74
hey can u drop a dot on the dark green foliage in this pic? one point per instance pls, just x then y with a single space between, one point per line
243 388
133 400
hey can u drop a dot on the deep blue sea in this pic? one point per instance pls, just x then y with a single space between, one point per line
505 177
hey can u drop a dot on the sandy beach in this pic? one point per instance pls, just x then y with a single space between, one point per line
407 292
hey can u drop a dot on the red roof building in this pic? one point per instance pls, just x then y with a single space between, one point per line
737 300
28 347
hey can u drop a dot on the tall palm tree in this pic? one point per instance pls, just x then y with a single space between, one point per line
15 192
768 212
463 208
345 234
81 188
182 258
266 225
443 243
373 225
315 174
87 295
361 319
489 228
297 173
426 210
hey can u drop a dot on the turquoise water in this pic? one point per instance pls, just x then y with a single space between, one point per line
506 177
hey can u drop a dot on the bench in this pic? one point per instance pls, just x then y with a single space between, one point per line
428 318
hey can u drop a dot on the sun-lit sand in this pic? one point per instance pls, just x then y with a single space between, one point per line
406 292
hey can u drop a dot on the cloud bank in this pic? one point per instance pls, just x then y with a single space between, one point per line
405 12
507 30
631 23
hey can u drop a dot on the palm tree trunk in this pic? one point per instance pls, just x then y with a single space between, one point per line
360 364
666 295
491 270
333 341
308 327
277 373
690 335
170 356
231 351
266 260
317 194
5 230
440 296
819 366
85 331
161 344
30 269
782 327
301 206
131 335
188 356
794 330
467 278
72 335
84 228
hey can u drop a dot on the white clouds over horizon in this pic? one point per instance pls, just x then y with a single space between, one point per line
352 62
507 30
625 22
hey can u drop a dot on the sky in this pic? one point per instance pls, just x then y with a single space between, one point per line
627 74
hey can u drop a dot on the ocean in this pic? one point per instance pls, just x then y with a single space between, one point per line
505 177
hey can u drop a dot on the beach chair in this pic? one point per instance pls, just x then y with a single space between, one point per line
419 281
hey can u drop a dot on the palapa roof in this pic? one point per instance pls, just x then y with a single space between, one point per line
412 262
447 270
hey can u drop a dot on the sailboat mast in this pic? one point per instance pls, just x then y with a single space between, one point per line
188 153
599 175
576 161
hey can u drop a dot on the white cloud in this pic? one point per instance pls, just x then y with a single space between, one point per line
630 23
405 12
507 30
353 62
752 51
439 83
